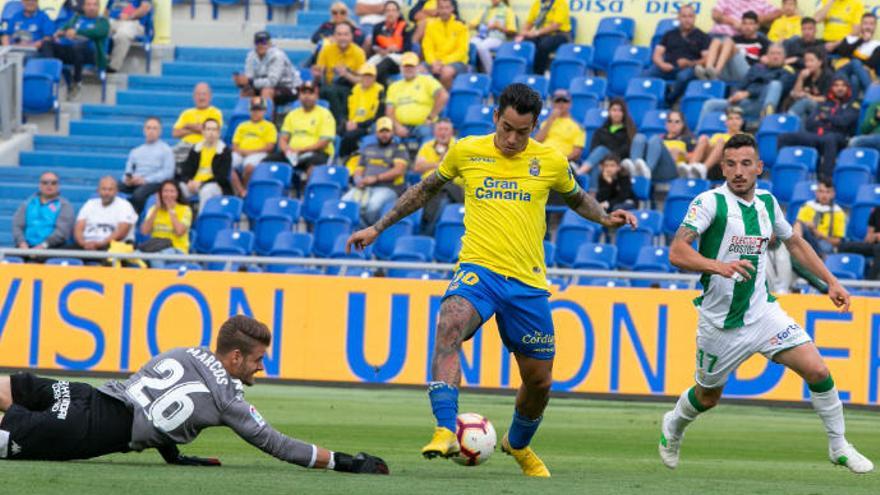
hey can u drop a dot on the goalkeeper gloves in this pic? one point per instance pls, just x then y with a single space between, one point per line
362 463
173 456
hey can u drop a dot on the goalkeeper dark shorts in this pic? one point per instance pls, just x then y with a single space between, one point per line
59 420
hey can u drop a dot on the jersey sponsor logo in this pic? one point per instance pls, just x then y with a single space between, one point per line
481 159
784 335
534 167
14 448
61 392
539 338
507 190
257 416
748 244
691 216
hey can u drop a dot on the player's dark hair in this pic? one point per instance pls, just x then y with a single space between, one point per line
825 181
808 20
242 333
521 98
819 54
176 187
750 14
610 157
628 123
740 140
867 15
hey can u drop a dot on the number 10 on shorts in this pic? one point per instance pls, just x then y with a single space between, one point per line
705 357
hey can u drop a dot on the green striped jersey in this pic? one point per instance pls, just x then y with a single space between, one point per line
732 229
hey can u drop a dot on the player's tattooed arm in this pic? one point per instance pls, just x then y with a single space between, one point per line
411 200
586 206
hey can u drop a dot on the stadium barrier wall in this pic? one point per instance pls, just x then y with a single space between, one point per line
620 341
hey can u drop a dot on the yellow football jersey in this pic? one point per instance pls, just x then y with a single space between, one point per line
504 201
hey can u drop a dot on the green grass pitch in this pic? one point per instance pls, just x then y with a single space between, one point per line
595 447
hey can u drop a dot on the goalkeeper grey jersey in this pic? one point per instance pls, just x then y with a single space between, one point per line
185 390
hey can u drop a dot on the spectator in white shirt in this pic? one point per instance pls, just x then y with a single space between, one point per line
104 219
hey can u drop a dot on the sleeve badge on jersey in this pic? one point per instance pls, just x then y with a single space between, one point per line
691 216
534 167
257 416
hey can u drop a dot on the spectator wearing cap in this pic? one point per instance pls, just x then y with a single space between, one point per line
127 19
679 51
364 106
494 26
188 127
560 131
380 173
336 69
253 140
548 25
427 161
30 27
268 72
148 165
45 220
391 39
207 171
307 132
445 45
414 103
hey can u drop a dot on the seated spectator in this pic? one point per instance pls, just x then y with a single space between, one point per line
678 52
338 15
731 58
821 222
423 11
428 159
495 25
615 186
307 133
105 219
188 127
829 127
548 26
869 129
207 171
727 15
707 154
761 91
560 131
858 52
364 107
268 73
253 140
839 18
127 19
336 69
615 136
796 47
391 39
379 175
811 86
414 102
168 219
663 154
370 12
787 25
445 45
148 165
29 28
81 41
869 246
45 220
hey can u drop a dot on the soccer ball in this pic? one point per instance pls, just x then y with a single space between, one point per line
477 439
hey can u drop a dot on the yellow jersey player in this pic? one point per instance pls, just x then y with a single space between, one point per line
506 177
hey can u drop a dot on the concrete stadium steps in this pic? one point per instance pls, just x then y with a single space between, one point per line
20 191
130 113
219 85
70 176
177 99
288 31
98 144
196 69
203 55
53 159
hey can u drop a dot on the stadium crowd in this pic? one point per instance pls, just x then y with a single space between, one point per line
381 98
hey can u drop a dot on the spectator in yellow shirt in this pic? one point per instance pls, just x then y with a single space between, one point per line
253 140
560 131
364 106
821 222
414 102
336 69
494 26
548 25
188 127
788 25
307 133
428 159
168 219
445 45
841 18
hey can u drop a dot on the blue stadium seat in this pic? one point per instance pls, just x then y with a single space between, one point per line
413 248
280 171
206 228
335 220
572 51
629 241
11 8
11 260
572 232
563 70
230 206
610 34
459 101
40 87
663 26
785 176
771 127
330 173
653 259
479 113
549 253
674 211
534 81
650 220
593 85
234 242
316 194
504 72
384 246
847 179
872 95
595 119
653 122
277 215
475 129
867 157
641 187
183 267
696 93
712 123
64 261
258 191
804 191
481 82
628 63
215 4
798 154
644 94
686 188
292 245
603 282
524 50
765 185
857 221
846 265
448 233
347 209
592 256
271 5
868 194
338 252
